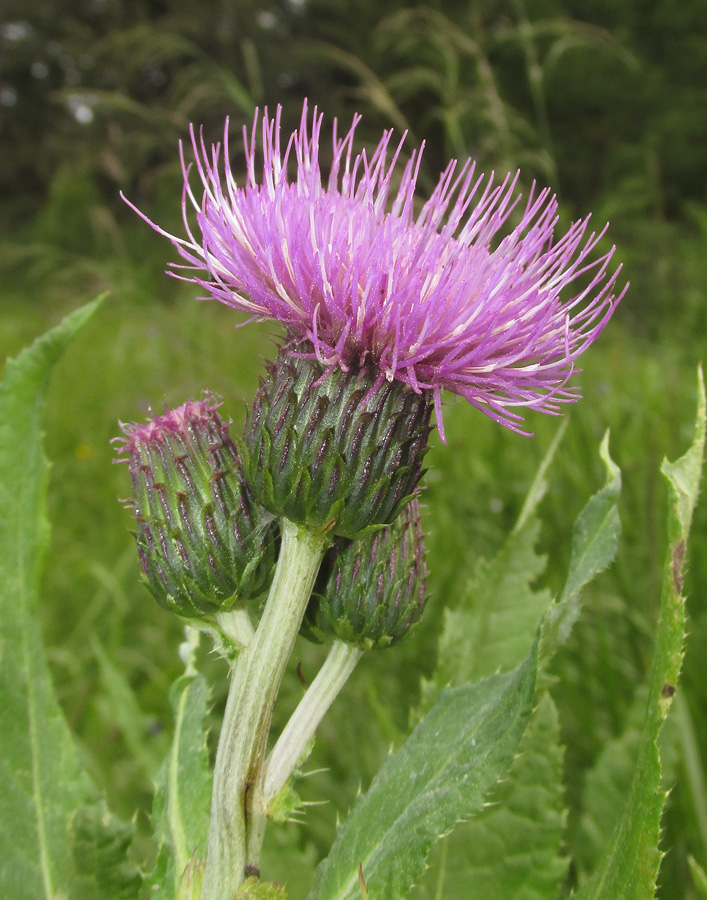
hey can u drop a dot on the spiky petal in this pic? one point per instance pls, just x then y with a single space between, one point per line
451 297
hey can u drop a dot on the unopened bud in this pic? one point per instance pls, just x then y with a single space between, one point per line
371 591
334 450
204 544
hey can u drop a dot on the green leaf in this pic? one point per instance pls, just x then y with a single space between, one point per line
606 787
684 478
512 848
608 783
181 811
100 847
595 540
44 783
539 487
441 775
252 889
629 869
493 627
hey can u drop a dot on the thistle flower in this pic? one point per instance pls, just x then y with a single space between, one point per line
204 544
447 296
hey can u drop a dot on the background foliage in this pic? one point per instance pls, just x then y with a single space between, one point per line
605 102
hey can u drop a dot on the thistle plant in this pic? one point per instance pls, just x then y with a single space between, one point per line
385 305
309 523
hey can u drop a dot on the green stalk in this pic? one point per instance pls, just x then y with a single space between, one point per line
236 626
292 743
255 681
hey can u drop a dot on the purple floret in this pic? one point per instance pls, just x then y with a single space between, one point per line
436 298
201 415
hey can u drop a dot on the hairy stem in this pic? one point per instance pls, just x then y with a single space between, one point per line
292 743
255 681
236 626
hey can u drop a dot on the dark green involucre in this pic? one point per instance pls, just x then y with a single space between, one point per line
333 450
371 591
204 544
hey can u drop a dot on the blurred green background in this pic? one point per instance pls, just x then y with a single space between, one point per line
605 101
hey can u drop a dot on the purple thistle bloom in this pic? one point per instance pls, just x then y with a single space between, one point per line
437 299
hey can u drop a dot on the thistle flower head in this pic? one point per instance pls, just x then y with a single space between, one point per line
443 295
328 450
204 544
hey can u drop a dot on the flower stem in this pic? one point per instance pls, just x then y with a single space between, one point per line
236 626
292 743
255 681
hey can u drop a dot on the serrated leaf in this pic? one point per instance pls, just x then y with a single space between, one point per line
440 775
512 848
595 540
606 788
181 811
497 851
494 626
629 869
44 782
608 783
684 477
497 617
100 848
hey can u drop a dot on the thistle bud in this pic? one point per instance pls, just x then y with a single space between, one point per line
372 590
204 544
332 449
